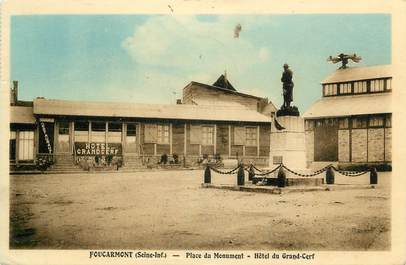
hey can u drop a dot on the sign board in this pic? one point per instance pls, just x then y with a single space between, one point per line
92 149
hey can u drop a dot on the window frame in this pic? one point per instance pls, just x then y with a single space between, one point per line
254 140
162 128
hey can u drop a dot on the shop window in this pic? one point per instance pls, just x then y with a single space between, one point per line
98 134
251 136
376 121
359 123
150 133
345 88
343 123
195 134
207 135
12 146
377 85
239 135
26 145
163 134
81 131
114 134
360 87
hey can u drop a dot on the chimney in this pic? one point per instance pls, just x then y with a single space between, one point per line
14 93
178 101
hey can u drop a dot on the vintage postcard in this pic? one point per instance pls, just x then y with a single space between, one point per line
179 132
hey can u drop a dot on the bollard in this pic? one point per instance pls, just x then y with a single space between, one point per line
251 173
281 180
329 176
207 175
240 175
373 176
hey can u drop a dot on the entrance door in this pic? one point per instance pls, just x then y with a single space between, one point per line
326 140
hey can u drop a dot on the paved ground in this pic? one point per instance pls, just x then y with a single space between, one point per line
169 210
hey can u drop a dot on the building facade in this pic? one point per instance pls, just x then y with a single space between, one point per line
139 134
351 123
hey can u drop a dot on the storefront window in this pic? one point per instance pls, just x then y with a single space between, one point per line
82 131
207 135
343 123
163 134
98 134
251 136
131 138
114 133
26 145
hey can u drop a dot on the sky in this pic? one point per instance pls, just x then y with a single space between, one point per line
151 58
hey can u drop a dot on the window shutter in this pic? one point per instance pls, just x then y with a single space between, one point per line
239 135
151 133
195 134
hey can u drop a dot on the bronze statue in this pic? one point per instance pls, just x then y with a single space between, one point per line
286 79
343 58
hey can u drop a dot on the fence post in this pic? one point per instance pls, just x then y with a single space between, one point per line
329 175
373 177
207 175
281 180
240 175
251 172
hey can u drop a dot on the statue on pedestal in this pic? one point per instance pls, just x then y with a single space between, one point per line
287 88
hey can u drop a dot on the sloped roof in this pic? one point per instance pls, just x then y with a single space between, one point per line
216 102
350 105
359 73
23 115
223 82
148 111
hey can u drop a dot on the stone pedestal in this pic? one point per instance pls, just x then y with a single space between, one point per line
288 145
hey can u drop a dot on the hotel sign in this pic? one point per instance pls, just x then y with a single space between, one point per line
92 149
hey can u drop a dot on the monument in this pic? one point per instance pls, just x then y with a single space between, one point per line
287 134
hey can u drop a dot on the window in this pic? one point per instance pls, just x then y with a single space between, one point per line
81 131
388 121
114 132
63 127
345 88
12 146
150 133
98 132
389 84
343 123
360 87
239 135
376 121
195 134
163 134
309 125
377 85
26 145
330 89
207 135
251 136
358 123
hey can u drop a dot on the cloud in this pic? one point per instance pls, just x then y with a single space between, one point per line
188 44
